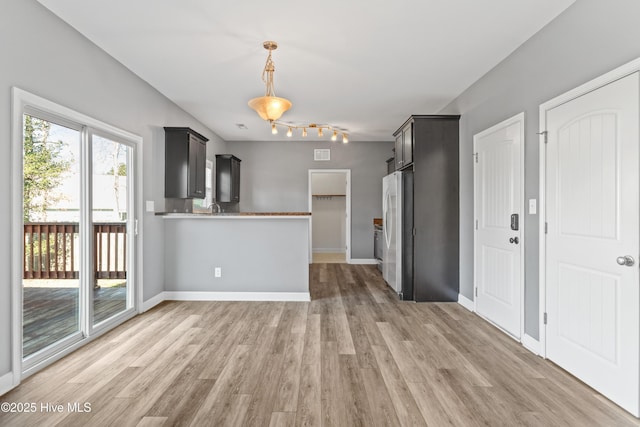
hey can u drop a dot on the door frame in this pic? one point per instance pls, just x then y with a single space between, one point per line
518 118
21 100
347 173
590 86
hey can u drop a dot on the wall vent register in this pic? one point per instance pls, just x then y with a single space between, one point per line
321 154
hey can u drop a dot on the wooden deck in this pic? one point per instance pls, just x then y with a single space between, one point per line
51 313
353 356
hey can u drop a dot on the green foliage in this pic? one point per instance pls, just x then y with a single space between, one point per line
122 170
44 167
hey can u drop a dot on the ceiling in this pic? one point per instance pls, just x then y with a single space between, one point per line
360 65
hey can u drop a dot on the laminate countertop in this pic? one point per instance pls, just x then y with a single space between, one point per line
230 215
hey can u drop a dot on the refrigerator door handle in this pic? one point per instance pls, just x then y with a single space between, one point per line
385 220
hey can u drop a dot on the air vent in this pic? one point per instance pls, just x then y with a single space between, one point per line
321 154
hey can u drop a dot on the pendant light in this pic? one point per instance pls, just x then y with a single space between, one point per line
269 107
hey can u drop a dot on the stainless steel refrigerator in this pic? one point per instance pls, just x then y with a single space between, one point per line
392 230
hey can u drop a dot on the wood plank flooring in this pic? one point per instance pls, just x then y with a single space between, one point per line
353 356
329 258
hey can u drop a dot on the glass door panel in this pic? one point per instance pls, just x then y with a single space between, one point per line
110 218
51 249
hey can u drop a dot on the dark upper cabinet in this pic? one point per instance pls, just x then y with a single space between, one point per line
404 145
407 144
185 158
227 178
398 152
436 208
391 165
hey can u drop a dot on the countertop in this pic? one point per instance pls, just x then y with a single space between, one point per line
229 215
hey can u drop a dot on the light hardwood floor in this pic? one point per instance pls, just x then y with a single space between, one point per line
353 356
329 258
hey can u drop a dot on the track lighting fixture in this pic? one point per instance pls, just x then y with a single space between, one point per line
319 127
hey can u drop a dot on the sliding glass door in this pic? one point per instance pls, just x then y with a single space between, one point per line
111 212
52 239
78 233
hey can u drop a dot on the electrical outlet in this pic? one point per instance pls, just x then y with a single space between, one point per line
218 272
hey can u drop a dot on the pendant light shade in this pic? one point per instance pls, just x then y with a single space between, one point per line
270 108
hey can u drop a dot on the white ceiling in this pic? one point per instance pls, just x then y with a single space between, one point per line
361 65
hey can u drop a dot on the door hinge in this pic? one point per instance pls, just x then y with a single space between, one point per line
545 318
476 291
475 155
546 227
135 227
544 133
476 224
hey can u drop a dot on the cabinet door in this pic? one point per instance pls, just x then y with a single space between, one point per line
197 158
235 180
399 155
201 170
407 145
227 178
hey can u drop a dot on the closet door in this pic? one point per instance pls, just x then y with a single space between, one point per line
592 245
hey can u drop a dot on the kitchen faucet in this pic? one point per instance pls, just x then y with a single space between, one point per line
217 206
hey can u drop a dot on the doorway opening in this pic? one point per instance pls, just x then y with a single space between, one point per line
330 206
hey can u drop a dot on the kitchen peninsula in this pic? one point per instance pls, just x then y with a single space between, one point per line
257 256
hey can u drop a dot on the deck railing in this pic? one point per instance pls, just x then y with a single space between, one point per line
52 250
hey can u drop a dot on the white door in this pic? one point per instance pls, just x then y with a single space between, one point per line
498 235
592 212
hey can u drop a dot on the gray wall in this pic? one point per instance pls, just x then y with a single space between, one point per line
274 177
43 55
587 40
277 251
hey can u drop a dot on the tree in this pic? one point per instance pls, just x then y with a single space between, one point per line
120 171
43 168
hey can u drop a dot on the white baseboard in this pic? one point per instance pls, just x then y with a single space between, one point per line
465 302
152 302
236 296
531 344
6 383
328 250
372 261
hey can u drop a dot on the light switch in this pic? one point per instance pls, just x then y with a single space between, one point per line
533 207
150 206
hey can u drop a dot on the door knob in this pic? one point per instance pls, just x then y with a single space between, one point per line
626 260
514 240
